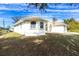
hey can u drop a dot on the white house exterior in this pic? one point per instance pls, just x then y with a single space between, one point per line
57 27
34 26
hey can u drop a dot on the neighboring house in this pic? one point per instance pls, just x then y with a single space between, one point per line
33 26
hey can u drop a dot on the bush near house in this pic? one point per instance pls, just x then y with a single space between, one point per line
73 25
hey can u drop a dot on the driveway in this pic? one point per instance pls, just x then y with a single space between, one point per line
71 33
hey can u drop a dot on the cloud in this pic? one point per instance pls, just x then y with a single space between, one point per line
16 7
50 10
63 6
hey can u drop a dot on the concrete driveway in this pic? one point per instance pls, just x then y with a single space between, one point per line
71 33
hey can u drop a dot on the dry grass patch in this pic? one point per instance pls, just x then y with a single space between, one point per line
10 34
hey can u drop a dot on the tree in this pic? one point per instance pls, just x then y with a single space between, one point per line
73 25
16 18
43 6
67 21
40 6
54 20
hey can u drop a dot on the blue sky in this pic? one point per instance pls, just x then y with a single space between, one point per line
60 11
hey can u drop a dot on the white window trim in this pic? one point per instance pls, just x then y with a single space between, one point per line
33 25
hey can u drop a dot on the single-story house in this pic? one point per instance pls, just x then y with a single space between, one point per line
33 26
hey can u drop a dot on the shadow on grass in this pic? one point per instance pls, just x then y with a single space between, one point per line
49 45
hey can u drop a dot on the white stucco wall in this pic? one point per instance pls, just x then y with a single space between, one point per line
25 29
56 29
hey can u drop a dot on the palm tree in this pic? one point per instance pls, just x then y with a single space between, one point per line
54 20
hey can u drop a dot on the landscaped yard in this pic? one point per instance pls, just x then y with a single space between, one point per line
50 44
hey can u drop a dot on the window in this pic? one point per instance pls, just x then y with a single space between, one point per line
33 25
41 25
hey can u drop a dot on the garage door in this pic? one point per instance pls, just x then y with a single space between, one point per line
58 29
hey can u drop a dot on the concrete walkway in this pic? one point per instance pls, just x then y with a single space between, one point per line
71 33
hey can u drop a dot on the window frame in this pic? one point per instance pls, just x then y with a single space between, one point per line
33 25
41 25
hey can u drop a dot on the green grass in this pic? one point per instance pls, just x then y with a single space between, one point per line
48 45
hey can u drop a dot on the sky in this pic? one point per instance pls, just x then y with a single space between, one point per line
60 11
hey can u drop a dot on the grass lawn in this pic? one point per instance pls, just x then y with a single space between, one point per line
48 45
